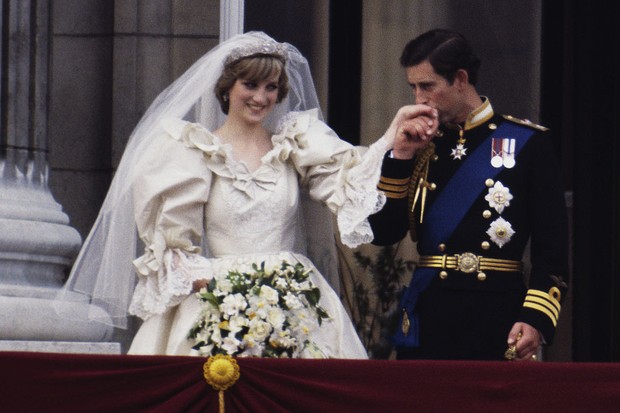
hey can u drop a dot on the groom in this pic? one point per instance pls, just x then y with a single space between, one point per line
472 195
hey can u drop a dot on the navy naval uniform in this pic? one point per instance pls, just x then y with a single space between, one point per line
472 200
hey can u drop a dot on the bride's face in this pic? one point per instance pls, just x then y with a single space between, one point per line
252 101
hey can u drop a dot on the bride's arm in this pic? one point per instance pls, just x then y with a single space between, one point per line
169 197
340 175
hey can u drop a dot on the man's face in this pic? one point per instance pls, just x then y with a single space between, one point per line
434 90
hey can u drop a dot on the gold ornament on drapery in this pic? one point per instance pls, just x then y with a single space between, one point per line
221 372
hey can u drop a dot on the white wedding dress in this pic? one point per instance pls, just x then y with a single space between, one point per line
191 193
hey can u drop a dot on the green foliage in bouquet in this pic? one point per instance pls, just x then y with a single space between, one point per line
260 313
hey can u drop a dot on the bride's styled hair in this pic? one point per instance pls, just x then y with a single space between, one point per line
254 69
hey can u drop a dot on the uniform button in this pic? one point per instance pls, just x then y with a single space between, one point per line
481 276
443 275
489 182
486 214
492 126
442 247
485 245
435 157
432 186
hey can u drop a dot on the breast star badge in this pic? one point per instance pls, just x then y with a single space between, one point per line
459 151
499 197
500 232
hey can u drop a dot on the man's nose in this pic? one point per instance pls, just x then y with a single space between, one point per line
420 98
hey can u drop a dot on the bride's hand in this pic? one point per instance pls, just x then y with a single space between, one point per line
412 128
199 284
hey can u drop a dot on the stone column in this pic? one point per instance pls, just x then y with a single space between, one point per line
37 244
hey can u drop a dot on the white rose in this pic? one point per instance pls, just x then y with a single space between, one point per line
258 306
232 304
292 302
236 323
259 330
231 345
276 317
225 286
269 294
252 348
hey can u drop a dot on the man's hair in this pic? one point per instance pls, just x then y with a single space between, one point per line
446 51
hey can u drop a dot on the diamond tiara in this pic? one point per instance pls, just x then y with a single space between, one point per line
265 47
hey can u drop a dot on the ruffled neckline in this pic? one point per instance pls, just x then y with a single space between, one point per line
218 156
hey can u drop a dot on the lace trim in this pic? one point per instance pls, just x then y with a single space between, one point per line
296 122
165 284
362 198
218 156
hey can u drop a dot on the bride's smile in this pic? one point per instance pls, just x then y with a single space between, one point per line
253 101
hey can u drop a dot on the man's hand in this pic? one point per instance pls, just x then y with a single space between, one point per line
529 342
411 129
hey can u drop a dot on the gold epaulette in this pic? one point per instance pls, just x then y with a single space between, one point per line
525 122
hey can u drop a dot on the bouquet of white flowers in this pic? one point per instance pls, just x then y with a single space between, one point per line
261 313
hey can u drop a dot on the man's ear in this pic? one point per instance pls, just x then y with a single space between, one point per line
461 78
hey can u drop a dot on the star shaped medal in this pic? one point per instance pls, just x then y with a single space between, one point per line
460 150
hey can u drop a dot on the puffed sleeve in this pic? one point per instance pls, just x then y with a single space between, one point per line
169 198
336 173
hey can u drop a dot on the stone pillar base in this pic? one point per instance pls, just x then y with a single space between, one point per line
60 347
38 319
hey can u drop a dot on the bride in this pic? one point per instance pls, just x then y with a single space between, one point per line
222 175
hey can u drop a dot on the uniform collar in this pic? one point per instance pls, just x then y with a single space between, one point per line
479 115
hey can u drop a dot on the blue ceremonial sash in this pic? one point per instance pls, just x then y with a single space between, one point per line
463 189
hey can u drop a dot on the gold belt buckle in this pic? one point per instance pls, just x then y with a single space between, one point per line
467 262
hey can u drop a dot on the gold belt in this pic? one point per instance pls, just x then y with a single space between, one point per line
468 263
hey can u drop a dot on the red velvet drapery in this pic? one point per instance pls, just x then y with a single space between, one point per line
46 382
